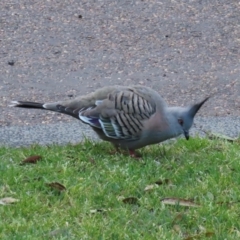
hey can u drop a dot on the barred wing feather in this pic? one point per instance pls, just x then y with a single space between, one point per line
131 109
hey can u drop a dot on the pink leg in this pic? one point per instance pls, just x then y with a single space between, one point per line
131 152
134 154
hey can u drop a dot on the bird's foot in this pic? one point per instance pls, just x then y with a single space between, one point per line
135 154
131 152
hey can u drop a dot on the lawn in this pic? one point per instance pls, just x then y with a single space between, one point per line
180 190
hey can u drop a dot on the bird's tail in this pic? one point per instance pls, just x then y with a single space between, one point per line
23 104
46 106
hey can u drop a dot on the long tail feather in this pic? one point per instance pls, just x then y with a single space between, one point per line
58 108
23 104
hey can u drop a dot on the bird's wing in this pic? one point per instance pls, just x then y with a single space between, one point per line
122 114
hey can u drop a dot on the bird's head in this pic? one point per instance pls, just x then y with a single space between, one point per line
185 116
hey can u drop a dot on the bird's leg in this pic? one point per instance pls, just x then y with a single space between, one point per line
131 152
134 154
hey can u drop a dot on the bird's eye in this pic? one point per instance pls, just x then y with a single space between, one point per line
180 121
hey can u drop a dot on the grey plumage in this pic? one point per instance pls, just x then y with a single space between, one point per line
129 117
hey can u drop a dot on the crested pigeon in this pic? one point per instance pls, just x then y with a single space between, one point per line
128 117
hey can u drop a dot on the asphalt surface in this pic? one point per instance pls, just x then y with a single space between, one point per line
75 132
54 50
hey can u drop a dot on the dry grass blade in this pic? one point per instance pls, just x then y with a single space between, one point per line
199 236
177 228
130 200
212 135
8 200
56 186
92 161
178 218
164 181
209 234
179 201
156 184
31 160
228 203
150 187
93 211
58 233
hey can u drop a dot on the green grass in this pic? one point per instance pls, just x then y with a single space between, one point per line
91 207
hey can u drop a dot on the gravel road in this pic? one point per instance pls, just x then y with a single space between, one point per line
52 50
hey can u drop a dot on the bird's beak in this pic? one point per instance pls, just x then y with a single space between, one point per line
186 134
